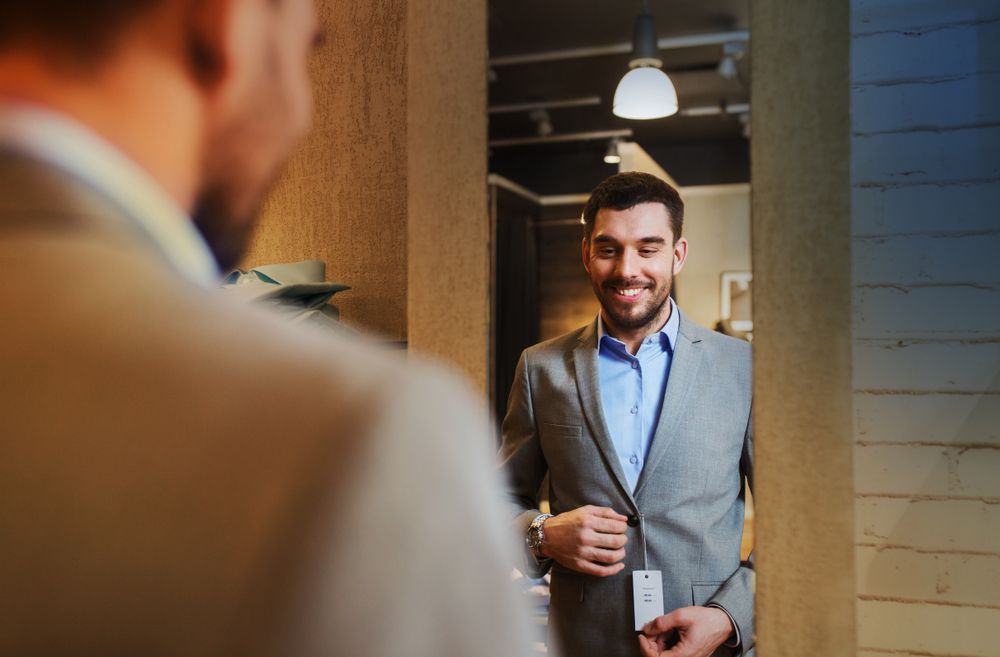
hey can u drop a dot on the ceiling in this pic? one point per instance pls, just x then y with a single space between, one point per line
693 149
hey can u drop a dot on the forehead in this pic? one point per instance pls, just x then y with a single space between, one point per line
642 220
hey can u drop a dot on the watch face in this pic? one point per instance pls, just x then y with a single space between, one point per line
534 537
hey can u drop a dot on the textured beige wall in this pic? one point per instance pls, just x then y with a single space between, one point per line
717 226
448 236
390 188
802 339
343 197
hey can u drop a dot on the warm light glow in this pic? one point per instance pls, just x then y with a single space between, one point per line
645 93
612 159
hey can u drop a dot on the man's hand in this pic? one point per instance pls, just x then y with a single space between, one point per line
590 539
688 632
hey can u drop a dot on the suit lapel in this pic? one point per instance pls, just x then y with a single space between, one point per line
588 385
684 366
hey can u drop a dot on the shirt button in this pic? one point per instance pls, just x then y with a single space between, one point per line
633 459
635 364
633 410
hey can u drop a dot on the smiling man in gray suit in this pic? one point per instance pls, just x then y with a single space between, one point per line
642 420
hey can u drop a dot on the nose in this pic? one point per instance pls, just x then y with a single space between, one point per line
628 264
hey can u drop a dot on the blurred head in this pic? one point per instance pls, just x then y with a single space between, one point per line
256 121
244 63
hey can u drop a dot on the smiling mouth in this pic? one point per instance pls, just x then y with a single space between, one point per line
629 292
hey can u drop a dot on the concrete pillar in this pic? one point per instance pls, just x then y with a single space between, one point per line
802 328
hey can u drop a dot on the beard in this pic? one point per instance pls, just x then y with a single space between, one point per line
633 317
225 229
245 156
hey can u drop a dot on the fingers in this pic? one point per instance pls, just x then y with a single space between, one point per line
605 512
589 539
662 624
608 525
601 555
606 541
647 648
604 520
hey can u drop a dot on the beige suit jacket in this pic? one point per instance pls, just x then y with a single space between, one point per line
183 475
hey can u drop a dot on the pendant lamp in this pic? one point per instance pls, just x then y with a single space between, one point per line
645 92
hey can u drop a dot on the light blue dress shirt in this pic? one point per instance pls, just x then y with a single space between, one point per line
632 389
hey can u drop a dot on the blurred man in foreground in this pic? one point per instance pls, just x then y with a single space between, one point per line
180 474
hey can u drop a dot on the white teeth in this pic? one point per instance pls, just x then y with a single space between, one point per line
630 292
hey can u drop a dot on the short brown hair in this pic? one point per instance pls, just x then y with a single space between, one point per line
623 191
82 29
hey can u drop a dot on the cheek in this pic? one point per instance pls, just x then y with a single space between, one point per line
298 94
302 106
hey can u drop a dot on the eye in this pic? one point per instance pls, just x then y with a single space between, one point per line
606 252
648 251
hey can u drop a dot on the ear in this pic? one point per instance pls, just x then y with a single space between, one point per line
209 30
680 255
585 253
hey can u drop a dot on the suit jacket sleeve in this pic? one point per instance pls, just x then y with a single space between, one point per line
522 463
415 558
736 595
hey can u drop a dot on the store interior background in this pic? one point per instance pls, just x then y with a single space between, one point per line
874 155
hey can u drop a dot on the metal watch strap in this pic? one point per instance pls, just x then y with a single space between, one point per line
536 534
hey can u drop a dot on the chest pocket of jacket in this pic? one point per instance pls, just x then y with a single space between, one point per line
562 445
549 431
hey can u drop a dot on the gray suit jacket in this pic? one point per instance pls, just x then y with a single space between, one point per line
181 474
690 492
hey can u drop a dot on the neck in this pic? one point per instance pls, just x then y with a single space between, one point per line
633 337
141 105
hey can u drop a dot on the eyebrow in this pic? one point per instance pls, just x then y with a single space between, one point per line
607 239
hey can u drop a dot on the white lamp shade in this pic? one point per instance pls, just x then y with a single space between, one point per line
645 93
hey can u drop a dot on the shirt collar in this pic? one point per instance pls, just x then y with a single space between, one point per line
669 330
67 145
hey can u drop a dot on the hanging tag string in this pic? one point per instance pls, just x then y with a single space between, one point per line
642 538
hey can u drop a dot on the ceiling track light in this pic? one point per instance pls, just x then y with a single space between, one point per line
543 122
731 53
645 92
612 155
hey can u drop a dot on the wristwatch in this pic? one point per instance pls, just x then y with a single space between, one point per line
536 534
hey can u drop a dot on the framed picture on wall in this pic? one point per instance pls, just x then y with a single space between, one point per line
736 302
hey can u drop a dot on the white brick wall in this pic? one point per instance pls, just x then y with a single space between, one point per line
929 208
925 123
934 419
928 629
910 574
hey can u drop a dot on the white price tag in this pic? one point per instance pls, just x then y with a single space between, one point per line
647 596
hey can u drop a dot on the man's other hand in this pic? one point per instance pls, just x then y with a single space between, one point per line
686 632
590 539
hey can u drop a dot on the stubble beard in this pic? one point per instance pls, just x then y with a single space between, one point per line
226 230
640 318
235 186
